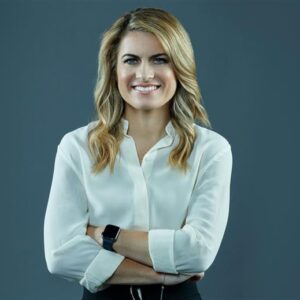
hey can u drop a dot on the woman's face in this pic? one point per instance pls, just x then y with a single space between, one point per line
141 67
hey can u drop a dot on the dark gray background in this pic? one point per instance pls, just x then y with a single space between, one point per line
248 66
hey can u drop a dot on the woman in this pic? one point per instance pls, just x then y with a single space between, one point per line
139 199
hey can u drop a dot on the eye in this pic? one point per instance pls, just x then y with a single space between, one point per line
129 60
163 60
157 60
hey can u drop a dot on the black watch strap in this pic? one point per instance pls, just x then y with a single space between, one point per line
108 244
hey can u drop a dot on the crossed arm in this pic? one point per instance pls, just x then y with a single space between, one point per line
137 267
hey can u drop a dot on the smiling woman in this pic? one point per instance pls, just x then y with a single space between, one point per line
139 199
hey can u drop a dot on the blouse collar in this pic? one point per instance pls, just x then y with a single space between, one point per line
170 130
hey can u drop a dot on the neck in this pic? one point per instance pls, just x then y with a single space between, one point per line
146 126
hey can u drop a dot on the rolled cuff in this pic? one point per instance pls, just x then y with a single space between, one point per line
161 249
101 269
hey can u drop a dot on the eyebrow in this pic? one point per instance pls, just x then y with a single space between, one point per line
153 56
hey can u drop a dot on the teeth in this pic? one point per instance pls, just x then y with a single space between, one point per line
145 89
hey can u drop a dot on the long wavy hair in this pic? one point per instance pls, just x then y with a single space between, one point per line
186 105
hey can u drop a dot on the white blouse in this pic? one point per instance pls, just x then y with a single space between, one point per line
185 215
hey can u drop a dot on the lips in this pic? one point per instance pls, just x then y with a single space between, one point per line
145 85
146 90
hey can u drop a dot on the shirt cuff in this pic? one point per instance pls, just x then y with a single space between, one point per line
161 249
101 269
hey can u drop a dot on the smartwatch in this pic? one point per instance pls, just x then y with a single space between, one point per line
109 236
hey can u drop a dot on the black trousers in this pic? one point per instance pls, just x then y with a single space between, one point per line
186 290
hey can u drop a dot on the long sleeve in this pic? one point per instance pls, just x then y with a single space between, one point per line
193 248
69 252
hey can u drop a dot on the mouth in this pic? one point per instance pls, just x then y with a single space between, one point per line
146 90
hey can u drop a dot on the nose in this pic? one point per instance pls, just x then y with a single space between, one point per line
144 71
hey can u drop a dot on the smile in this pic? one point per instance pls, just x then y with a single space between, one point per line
146 90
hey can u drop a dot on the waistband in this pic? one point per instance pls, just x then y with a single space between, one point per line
142 292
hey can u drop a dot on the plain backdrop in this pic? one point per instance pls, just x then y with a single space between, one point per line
248 66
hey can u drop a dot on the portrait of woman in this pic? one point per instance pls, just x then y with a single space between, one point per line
139 200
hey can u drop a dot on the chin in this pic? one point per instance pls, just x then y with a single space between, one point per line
145 107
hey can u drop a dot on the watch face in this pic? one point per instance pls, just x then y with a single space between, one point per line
111 231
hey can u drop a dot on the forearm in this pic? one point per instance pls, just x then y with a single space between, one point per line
132 272
131 243
134 245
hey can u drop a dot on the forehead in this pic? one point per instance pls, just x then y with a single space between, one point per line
140 43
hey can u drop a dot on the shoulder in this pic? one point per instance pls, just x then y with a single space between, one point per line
74 143
76 138
210 143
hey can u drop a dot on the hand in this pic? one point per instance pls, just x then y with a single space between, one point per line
172 279
197 277
95 233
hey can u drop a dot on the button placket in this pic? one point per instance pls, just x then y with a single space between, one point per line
140 197
140 174
148 163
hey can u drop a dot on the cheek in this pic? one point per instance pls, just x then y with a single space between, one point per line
171 84
123 78
170 77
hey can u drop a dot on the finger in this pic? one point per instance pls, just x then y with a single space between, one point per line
197 277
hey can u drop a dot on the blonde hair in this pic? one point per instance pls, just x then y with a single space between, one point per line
186 107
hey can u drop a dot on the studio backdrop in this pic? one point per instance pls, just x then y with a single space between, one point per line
247 55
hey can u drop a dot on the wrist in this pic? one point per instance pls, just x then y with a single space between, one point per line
98 235
161 278
117 244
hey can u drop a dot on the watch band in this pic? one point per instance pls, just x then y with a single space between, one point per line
108 244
